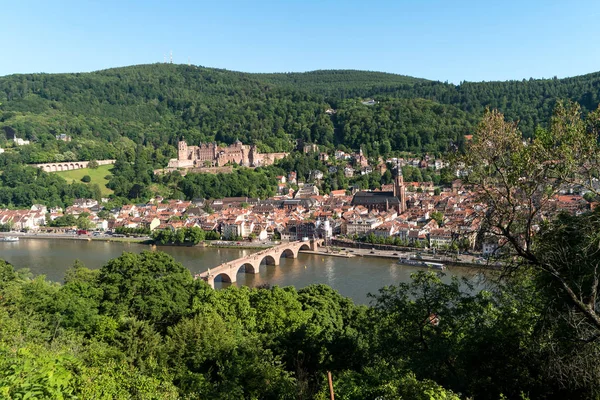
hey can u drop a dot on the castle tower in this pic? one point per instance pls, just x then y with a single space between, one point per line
182 150
251 156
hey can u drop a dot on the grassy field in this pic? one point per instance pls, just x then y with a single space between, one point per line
97 176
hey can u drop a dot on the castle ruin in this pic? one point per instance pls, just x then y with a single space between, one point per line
212 155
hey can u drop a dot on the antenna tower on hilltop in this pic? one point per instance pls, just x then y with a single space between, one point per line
171 58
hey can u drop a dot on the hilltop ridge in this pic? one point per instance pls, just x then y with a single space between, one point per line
157 104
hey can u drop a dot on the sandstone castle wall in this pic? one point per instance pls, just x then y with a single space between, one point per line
212 155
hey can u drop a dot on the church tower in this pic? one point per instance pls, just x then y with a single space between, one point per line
399 188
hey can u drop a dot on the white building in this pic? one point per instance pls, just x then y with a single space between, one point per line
440 238
85 203
339 155
324 228
385 230
231 229
490 246
101 224
236 228
20 142
439 164
348 172
361 226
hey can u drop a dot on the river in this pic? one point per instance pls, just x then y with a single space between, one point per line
352 277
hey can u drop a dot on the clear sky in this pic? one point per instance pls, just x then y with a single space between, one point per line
440 40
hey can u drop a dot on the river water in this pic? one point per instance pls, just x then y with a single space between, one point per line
352 277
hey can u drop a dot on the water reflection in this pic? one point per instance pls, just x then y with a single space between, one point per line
352 277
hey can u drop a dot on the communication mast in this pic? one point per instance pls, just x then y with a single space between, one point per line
171 57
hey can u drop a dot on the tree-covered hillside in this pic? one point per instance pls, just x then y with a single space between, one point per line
340 83
156 105
528 101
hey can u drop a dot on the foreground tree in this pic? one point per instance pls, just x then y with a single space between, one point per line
150 286
516 183
457 338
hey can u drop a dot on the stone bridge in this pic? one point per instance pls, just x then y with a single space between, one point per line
70 165
251 263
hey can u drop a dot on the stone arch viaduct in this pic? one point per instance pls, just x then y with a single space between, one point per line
251 263
70 165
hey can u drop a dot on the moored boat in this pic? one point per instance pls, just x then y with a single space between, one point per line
408 261
433 265
9 239
421 263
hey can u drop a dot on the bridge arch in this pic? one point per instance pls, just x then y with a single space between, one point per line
247 268
304 247
289 253
224 277
270 259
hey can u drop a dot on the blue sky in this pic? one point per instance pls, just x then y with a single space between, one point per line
440 40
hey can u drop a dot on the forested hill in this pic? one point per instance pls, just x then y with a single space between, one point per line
157 104
529 101
339 84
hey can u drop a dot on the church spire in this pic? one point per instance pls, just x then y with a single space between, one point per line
399 188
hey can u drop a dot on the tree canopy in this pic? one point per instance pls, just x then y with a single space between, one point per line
155 105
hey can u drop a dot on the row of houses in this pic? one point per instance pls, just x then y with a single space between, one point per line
293 218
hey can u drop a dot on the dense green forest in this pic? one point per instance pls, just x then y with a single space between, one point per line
156 105
23 186
137 114
141 327
339 84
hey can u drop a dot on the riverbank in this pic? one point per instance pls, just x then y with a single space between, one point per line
229 244
328 254
141 240
462 261
213 245
222 246
87 238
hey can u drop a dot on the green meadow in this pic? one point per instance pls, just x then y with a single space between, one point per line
97 175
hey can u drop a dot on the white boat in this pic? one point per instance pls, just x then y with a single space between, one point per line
420 263
433 265
9 239
408 261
